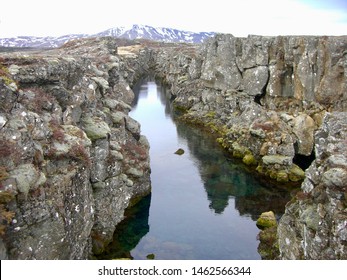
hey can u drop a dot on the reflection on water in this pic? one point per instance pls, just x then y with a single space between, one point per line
203 204
224 178
130 231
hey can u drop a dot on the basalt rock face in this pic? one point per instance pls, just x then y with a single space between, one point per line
265 96
72 160
276 102
314 225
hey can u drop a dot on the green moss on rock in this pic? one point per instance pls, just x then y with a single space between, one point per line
296 174
282 176
95 128
5 76
179 108
249 159
239 151
266 220
150 257
260 169
272 174
210 114
179 152
311 218
268 247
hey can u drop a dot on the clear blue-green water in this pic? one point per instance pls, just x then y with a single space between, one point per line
203 203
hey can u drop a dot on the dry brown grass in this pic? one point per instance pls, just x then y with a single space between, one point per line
129 51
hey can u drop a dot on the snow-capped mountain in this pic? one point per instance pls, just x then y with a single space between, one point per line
39 42
133 32
157 34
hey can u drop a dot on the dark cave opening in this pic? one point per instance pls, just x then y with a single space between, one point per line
304 161
258 98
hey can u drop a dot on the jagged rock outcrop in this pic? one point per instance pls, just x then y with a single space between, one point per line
71 158
265 96
314 225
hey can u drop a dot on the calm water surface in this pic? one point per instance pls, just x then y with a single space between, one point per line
203 204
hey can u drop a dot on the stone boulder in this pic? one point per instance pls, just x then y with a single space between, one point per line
27 177
303 128
255 80
95 128
266 220
219 69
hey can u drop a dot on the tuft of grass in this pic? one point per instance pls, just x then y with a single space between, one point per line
134 151
6 216
210 114
5 75
58 133
80 153
41 101
3 173
9 151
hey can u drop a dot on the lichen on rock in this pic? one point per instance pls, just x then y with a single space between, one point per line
95 128
314 224
61 152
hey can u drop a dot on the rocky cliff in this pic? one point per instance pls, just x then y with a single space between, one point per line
279 104
71 159
265 96
315 223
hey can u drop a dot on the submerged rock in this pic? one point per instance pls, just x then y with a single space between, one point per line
150 256
179 152
268 246
268 243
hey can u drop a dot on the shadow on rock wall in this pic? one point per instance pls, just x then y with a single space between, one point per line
129 232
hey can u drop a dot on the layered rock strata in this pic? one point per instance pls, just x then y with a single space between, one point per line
71 158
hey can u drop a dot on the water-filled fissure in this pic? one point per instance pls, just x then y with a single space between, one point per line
203 204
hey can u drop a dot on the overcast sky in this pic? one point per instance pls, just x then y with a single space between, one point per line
238 17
